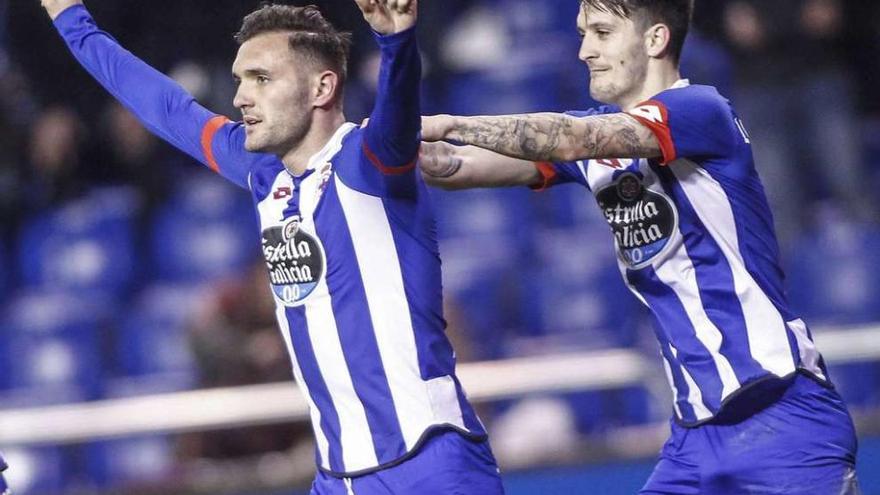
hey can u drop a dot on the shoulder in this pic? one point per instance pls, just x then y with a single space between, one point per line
695 98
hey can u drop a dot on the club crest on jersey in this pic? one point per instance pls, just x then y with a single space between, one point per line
295 261
642 220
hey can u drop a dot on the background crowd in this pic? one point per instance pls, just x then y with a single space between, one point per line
126 268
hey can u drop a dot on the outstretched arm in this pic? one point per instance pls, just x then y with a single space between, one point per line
163 107
549 136
391 141
463 167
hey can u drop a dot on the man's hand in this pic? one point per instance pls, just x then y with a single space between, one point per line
389 16
436 127
55 7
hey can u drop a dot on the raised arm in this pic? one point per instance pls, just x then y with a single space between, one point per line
463 167
162 105
548 136
391 141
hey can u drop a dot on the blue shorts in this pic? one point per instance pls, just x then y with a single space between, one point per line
803 443
4 488
447 464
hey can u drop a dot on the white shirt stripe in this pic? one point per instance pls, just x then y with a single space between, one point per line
380 270
357 442
668 368
764 324
320 437
695 395
678 274
807 349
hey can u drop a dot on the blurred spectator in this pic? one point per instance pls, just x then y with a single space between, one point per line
235 338
236 341
128 154
54 156
17 111
795 96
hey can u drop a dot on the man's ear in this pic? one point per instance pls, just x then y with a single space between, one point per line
326 90
657 39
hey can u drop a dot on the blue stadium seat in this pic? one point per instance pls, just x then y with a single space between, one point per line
207 230
115 464
52 343
489 93
87 245
483 235
834 273
36 470
603 410
858 383
152 350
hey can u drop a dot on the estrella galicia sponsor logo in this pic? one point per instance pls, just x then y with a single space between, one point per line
642 220
295 261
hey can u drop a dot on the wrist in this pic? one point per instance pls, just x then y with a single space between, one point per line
450 126
55 7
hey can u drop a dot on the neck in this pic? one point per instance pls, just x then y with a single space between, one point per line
660 76
322 129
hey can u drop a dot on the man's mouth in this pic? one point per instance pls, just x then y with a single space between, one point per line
250 121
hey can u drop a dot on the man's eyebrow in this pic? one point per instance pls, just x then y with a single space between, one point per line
600 25
251 72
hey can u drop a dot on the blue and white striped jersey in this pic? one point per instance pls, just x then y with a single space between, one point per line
351 250
695 243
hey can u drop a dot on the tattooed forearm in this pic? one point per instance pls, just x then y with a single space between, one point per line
439 165
557 137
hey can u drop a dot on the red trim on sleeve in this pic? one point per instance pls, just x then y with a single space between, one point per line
211 127
548 176
654 115
389 170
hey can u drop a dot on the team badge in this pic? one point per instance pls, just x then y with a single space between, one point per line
295 260
643 221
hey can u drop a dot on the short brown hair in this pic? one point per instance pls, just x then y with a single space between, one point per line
310 35
676 14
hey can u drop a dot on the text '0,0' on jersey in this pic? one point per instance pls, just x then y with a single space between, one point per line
350 246
695 243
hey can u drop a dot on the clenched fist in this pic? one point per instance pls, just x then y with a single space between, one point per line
389 16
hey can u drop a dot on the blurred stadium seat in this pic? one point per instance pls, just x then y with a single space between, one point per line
38 470
87 245
117 464
151 349
54 341
207 230
834 272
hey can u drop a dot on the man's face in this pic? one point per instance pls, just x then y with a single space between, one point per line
614 50
273 94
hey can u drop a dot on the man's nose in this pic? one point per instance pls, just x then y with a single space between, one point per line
586 52
242 99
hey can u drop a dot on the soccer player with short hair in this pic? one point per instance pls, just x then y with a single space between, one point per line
348 236
671 168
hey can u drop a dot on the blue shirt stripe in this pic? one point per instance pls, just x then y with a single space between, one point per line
356 332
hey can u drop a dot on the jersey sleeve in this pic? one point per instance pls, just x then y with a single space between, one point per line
391 140
161 105
692 122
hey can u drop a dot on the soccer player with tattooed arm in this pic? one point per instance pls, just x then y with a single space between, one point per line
670 166
347 232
